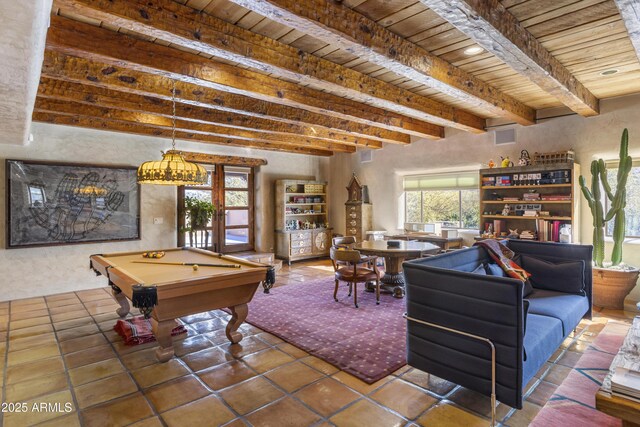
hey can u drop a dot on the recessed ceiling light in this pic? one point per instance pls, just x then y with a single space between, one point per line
473 50
609 72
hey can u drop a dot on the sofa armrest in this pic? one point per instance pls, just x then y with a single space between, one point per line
487 306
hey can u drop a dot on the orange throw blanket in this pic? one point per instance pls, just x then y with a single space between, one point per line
137 330
502 255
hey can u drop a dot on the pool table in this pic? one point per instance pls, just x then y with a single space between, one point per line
182 290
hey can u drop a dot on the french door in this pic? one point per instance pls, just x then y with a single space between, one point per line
230 190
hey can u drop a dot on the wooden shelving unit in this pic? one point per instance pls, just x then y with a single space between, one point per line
301 220
536 178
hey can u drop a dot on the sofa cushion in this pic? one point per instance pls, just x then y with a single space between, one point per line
544 335
480 269
494 269
561 275
568 308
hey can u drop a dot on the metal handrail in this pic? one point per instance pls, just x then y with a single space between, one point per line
477 337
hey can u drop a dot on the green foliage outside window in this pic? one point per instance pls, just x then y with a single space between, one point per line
453 208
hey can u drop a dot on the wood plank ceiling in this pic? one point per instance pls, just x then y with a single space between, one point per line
318 77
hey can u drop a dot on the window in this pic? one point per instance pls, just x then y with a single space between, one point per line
450 199
633 198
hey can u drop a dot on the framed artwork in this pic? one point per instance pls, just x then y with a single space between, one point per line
66 203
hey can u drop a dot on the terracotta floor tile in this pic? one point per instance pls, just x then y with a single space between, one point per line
286 412
247 346
250 395
294 376
471 400
120 412
105 308
557 374
427 381
32 370
206 358
208 325
176 393
523 417
105 389
26 301
208 411
66 309
579 346
542 393
33 341
448 415
359 385
25 323
70 420
366 413
320 365
63 302
191 345
266 360
139 359
30 332
73 323
88 356
95 371
29 314
82 343
103 317
39 386
77 332
194 318
570 358
31 417
292 350
123 348
404 398
238 422
327 396
34 353
28 307
226 375
149 422
159 373
269 338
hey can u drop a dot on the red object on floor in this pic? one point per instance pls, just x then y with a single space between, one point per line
137 330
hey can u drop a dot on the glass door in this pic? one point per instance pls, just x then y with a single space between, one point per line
235 213
230 191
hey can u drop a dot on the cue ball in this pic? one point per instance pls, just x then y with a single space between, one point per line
195 267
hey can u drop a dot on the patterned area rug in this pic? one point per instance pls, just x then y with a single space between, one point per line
368 342
573 403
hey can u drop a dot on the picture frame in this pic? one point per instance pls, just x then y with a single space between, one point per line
55 203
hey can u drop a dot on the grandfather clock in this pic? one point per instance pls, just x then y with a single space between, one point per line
358 210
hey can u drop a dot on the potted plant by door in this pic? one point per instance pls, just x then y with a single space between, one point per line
612 281
197 213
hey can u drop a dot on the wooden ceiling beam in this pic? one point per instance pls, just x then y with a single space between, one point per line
338 25
99 44
67 68
630 12
496 30
154 120
182 26
134 128
101 97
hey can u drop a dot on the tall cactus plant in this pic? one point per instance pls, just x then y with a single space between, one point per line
618 201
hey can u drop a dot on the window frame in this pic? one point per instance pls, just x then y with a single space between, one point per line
635 163
460 216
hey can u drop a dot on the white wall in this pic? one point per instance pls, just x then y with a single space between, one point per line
43 271
590 137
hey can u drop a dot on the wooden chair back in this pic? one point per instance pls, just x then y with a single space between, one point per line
343 240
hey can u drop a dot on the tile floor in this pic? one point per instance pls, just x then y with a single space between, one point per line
64 366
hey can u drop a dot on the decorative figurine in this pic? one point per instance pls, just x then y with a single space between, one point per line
524 160
506 163
492 164
507 210
513 234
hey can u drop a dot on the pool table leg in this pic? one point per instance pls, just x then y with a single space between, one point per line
122 300
162 331
238 314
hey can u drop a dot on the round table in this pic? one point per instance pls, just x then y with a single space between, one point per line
393 280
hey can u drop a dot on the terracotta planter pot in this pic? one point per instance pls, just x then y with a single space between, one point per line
610 287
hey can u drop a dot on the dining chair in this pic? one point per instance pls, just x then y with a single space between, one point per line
349 267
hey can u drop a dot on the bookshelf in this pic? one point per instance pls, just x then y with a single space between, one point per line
541 199
301 220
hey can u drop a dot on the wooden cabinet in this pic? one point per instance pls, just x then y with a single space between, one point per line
301 220
358 219
540 198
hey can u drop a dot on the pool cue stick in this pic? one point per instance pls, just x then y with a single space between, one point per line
190 263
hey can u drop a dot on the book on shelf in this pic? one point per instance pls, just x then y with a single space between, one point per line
531 196
548 231
510 199
626 382
556 197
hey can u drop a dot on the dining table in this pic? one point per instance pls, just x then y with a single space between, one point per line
394 255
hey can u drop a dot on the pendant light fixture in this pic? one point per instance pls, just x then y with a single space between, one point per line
173 169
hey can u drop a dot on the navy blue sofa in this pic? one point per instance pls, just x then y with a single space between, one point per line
453 290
